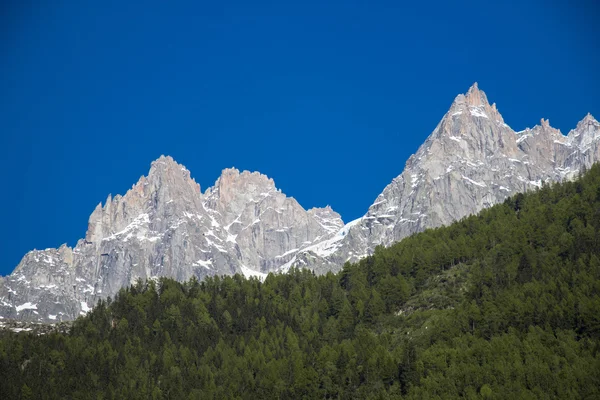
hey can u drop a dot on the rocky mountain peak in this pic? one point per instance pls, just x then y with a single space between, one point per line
231 177
235 186
545 131
476 97
471 160
162 164
168 185
588 120
586 133
165 171
164 226
474 104
471 130
545 123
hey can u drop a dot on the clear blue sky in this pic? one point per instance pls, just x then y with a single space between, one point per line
327 98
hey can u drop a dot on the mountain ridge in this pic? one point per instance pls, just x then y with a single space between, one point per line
471 160
166 226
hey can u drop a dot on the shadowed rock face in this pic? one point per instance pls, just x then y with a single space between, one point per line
165 226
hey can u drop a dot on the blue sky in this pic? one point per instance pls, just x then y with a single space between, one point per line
327 98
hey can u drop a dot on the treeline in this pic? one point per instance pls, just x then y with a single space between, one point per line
504 304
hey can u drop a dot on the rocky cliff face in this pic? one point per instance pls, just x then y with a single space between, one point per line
471 160
165 226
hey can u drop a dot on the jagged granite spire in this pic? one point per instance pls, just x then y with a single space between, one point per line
165 226
472 160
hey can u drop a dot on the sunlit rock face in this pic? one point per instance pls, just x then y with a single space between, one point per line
472 160
166 226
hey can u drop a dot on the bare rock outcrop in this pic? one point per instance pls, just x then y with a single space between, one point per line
472 160
165 226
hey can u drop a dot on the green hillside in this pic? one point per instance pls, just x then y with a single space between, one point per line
504 304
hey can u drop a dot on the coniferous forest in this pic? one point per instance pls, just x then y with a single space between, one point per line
501 305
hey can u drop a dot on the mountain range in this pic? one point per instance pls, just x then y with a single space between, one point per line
165 225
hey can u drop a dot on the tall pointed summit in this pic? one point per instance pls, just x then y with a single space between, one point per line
474 104
472 160
476 97
165 226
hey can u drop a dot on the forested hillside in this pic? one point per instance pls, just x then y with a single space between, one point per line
504 304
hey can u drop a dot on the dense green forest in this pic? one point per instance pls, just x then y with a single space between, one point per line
504 305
